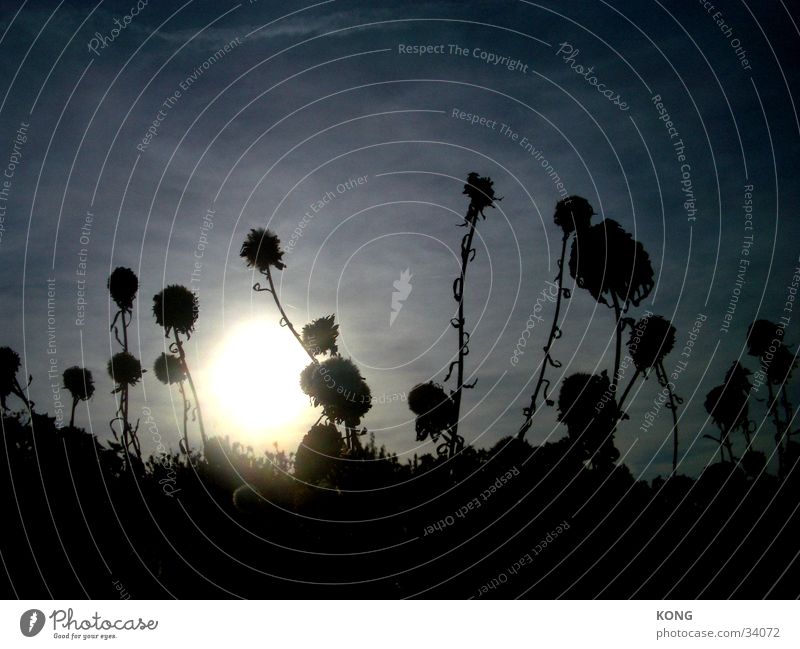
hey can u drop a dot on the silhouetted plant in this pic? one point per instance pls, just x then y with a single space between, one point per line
320 336
80 384
262 251
586 406
615 269
126 371
9 384
170 371
176 310
436 415
727 404
760 335
765 342
123 286
317 453
572 214
337 386
480 191
650 340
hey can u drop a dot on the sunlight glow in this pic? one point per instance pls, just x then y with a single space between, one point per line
255 384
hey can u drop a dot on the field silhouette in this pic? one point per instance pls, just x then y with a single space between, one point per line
341 517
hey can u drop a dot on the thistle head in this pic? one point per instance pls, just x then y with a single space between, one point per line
125 369
651 339
262 249
316 453
176 307
337 386
319 336
123 286
760 336
609 263
169 369
435 410
587 407
573 213
78 382
480 191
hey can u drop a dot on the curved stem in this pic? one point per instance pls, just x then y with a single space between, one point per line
182 356
466 247
550 339
186 406
285 318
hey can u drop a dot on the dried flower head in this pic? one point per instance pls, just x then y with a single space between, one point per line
79 382
125 369
319 336
760 336
435 410
123 285
262 249
337 386
176 307
651 339
169 369
607 261
573 213
480 191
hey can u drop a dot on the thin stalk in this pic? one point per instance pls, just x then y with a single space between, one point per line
182 357
185 418
627 390
72 416
673 407
466 248
554 329
284 318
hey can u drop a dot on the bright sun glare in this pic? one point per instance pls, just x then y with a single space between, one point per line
255 384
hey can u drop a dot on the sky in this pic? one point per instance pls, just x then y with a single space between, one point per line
155 135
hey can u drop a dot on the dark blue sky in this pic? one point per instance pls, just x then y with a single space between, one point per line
307 97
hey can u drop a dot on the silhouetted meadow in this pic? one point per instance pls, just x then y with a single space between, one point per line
340 516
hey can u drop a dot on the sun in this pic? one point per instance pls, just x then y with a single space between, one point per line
254 381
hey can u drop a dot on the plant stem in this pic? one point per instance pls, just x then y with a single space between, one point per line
185 418
663 380
466 247
284 318
182 357
72 417
627 390
531 411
